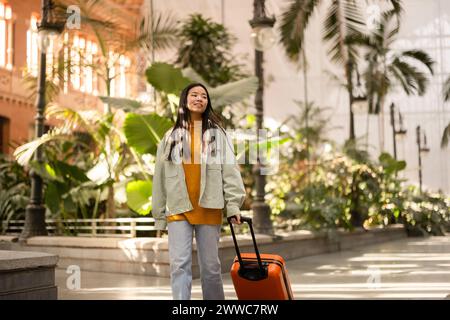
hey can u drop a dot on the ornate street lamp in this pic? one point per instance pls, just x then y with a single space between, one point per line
49 28
395 132
262 38
421 149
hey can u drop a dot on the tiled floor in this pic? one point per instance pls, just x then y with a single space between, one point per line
412 268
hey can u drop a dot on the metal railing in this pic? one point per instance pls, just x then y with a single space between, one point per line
119 227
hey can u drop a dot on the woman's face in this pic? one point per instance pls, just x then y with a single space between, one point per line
197 100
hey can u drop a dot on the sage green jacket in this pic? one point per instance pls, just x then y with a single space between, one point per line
221 185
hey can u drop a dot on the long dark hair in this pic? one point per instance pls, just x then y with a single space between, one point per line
210 119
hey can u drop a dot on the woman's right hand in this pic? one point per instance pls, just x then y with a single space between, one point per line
236 219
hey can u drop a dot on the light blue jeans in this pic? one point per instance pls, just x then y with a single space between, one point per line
180 255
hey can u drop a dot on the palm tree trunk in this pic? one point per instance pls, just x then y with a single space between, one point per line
381 125
348 66
305 87
110 204
348 72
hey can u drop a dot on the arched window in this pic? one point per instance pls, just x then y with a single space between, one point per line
82 53
6 36
119 65
33 46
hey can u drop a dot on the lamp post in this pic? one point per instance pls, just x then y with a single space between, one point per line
262 39
396 132
421 149
359 105
48 28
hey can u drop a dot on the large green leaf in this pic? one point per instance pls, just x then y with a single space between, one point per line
139 196
45 171
166 78
25 152
69 171
144 132
389 164
58 171
193 75
121 103
171 80
233 92
53 196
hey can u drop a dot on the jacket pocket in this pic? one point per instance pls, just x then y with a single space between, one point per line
173 187
214 184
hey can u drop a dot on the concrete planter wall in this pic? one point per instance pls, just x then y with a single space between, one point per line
27 275
149 256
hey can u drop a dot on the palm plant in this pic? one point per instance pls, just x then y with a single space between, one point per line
14 191
343 20
112 155
387 68
205 47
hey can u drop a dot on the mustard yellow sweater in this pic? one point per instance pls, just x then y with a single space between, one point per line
192 172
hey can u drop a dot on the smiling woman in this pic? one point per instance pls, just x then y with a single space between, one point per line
189 195
197 102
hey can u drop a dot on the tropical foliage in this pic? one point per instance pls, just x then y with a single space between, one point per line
14 191
343 19
387 67
343 188
329 192
426 213
97 162
343 22
205 46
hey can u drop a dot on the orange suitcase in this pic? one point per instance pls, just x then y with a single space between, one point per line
259 276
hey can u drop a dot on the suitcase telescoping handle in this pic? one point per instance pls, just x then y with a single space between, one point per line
258 257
